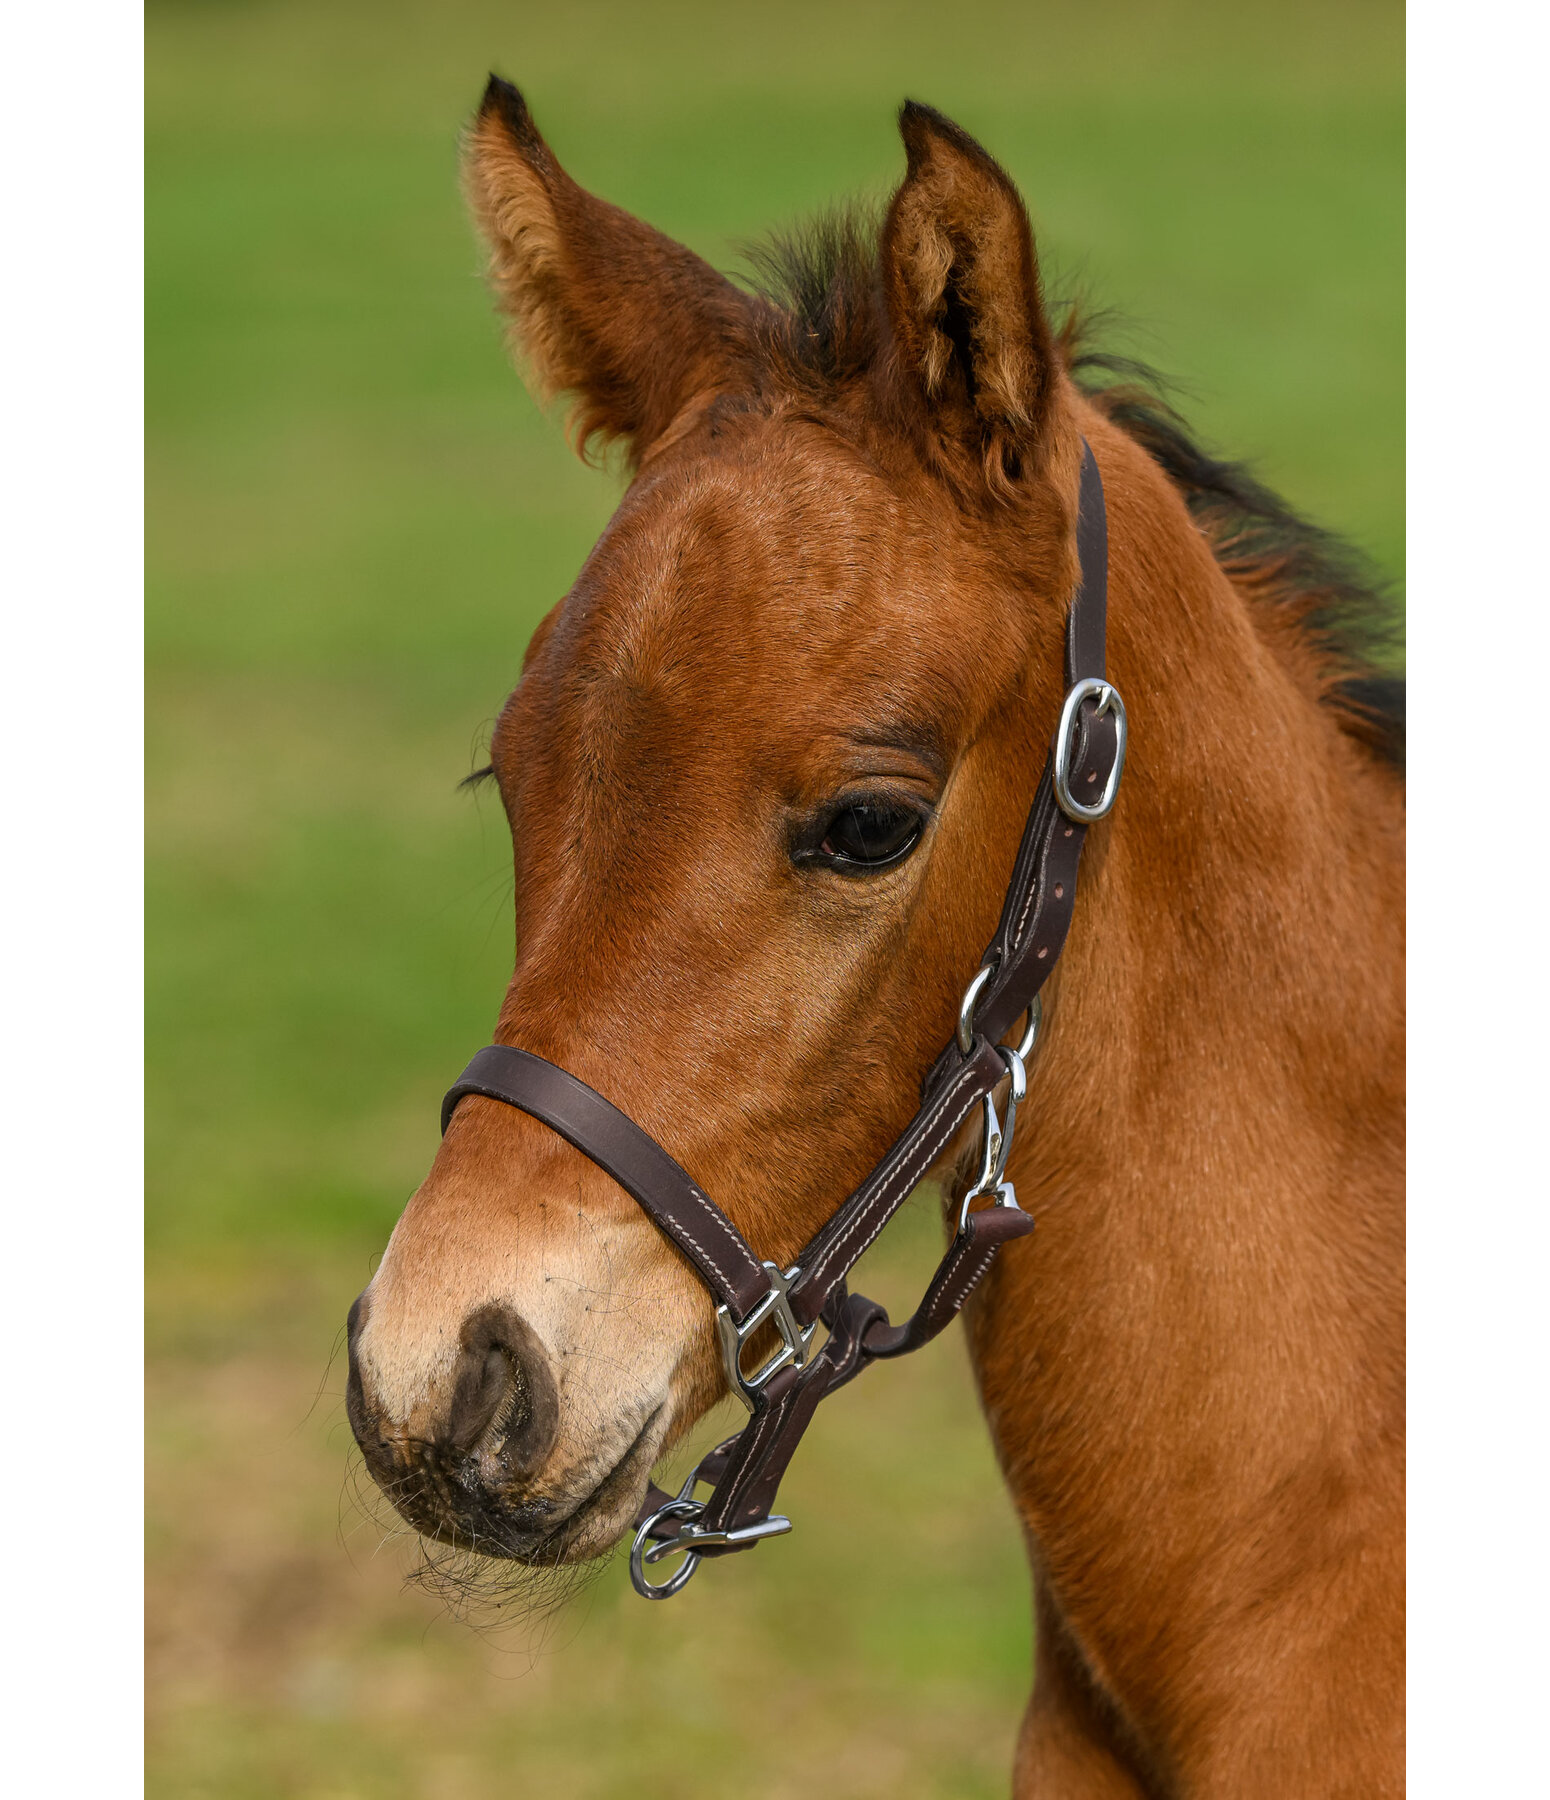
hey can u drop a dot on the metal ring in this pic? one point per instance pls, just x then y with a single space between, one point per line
970 999
966 1006
680 1577
1031 1035
1108 699
1017 1093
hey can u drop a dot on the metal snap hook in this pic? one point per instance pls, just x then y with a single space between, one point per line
689 1541
992 1180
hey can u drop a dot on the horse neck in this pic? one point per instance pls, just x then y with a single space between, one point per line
1209 1308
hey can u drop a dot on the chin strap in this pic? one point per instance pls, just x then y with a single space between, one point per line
1078 787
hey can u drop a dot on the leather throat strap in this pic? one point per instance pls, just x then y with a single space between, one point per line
746 1470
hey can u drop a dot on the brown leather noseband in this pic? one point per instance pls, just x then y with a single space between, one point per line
1087 755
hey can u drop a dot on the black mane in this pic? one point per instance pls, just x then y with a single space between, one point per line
1324 588
825 326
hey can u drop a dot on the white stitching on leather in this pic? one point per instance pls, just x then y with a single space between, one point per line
678 1231
728 1232
750 1471
817 1273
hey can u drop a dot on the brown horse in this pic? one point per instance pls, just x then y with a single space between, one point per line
766 772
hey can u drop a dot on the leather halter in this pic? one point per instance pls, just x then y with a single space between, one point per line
1086 757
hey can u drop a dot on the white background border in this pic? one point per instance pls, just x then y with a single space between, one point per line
1477 555
70 1032
71 540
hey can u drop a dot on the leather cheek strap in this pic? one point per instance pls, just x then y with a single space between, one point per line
833 1252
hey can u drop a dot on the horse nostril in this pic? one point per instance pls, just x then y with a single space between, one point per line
449 1454
503 1397
487 1385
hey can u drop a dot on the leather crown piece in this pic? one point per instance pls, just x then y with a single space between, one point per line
1077 788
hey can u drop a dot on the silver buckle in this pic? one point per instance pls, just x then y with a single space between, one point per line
691 1540
773 1308
991 1180
1108 702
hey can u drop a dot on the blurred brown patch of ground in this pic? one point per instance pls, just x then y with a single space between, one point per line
286 1656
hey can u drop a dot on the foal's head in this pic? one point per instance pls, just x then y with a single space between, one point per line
765 771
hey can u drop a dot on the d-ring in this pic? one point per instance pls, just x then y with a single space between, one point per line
1031 1035
970 1000
966 1007
639 1553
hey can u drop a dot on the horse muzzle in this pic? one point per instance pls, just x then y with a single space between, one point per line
460 1464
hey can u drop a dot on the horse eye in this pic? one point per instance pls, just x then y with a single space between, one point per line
864 837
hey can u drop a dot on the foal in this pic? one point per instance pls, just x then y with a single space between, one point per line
766 770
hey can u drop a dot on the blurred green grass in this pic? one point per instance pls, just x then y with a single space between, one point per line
356 518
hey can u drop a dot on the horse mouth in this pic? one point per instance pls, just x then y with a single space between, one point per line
600 1518
540 1532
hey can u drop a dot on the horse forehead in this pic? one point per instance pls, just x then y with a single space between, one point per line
751 554
733 601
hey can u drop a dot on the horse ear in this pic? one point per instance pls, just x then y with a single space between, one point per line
971 340
602 307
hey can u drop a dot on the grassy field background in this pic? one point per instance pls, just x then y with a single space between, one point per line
356 519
